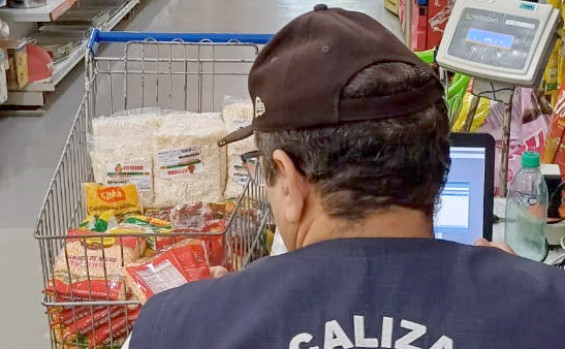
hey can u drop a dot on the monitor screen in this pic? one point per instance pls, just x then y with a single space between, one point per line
460 215
489 38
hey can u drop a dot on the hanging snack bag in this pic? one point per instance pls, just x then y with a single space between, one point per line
554 151
121 199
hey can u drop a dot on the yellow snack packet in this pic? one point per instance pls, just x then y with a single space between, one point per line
121 199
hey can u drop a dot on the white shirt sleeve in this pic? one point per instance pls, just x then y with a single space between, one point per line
278 244
126 343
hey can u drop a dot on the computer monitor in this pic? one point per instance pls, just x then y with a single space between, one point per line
465 211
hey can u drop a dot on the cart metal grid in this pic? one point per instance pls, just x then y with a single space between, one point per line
140 70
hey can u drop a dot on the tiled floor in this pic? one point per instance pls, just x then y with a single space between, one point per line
30 146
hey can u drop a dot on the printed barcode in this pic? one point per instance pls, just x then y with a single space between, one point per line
189 149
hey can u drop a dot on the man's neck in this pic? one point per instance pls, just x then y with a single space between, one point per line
397 222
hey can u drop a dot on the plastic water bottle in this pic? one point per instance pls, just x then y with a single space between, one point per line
526 210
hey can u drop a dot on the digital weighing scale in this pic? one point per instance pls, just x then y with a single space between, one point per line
501 44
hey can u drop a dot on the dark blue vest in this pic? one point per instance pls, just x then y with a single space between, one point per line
366 293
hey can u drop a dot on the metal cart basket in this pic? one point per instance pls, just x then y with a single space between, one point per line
137 70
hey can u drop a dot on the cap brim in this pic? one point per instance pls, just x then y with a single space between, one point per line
236 136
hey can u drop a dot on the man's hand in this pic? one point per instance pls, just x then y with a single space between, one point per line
482 242
218 272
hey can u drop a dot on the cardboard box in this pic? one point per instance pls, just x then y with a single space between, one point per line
17 56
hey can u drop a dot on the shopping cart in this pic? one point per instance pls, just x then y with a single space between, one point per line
138 70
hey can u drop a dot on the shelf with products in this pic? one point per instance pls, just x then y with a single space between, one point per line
46 13
32 94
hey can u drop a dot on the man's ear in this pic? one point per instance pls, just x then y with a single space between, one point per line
294 187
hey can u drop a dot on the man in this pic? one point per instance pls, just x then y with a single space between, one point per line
353 140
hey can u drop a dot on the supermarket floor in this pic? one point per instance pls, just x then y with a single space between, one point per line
30 146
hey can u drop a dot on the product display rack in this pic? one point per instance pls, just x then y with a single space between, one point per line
32 95
50 12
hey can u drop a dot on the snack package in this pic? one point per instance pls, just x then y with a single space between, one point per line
191 216
121 199
150 276
192 256
158 226
200 218
188 163
92 267
554 151
67 316
483 109
550 74
98 318
215 241
100 224
237 113
184 262
121 150
117 330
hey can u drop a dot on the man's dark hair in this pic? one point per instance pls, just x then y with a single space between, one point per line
362 167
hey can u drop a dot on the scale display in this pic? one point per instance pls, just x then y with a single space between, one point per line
505 41
492 39
501 41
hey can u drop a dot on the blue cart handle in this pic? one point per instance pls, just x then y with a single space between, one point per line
97 36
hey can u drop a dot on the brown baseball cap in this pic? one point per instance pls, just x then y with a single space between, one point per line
298 78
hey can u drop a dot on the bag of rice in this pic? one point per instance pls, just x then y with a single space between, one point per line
237 114
189 165
121 150
93 267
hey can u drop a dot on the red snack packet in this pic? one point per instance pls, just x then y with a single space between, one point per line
118 329
66 317
100 317
215 243
191 255
150 276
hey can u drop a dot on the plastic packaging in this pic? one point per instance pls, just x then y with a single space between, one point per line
237 113
91 268
483 109
184 262
121 150
526 210
524 135
121 199
188 164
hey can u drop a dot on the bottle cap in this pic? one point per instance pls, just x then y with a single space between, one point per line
530 159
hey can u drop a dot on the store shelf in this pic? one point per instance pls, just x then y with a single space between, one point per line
50 12
64 67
